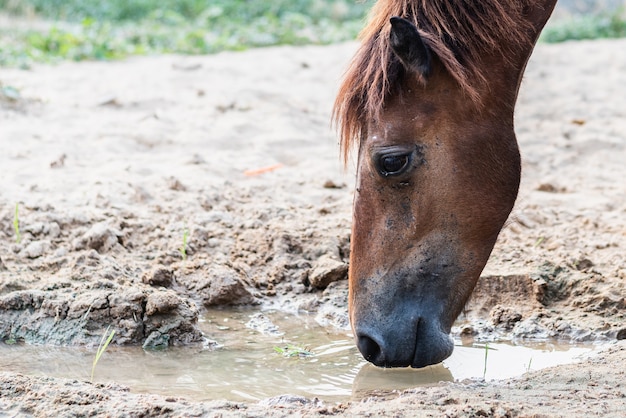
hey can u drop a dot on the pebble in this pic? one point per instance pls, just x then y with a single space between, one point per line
36 249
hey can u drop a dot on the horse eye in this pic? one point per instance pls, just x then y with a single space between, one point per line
391 165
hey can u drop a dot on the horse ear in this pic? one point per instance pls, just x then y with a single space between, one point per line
409 47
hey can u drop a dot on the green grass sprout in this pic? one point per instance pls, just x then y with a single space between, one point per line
183 248
487 349
486 355
11 340
101 348
16 224
291 350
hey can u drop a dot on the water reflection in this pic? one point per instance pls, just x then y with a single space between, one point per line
374 381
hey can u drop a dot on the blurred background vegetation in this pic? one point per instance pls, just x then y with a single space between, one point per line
107 29
49 30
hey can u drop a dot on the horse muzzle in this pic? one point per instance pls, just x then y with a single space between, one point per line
404 317
416 343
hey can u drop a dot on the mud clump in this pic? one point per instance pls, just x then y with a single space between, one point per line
505 317
36 249
327 270
218 286
162 302
158 276
100 237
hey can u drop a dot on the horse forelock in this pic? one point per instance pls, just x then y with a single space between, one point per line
459 32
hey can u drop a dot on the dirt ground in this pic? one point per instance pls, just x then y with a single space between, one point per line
116 167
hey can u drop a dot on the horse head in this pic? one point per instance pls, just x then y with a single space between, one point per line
430 106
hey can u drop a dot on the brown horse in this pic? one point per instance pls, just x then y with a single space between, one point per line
428 101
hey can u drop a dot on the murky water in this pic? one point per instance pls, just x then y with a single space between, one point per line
247 366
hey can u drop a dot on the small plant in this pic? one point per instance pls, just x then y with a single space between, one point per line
487 348
291 350
183 248
11 340
529 364
101 348
16 224
486 354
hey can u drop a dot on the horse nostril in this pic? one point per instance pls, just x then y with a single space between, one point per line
369 348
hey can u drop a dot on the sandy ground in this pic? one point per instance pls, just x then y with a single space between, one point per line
116 166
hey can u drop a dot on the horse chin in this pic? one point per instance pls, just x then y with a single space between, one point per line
433 350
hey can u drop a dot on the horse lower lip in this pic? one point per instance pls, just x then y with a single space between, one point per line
420 363
432 345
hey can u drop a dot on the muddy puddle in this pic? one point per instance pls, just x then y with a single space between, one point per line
258 355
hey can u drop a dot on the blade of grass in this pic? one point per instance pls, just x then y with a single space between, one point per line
487 349
101 348
16 224
486 353
183 248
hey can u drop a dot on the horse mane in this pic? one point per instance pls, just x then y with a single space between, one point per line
459 32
